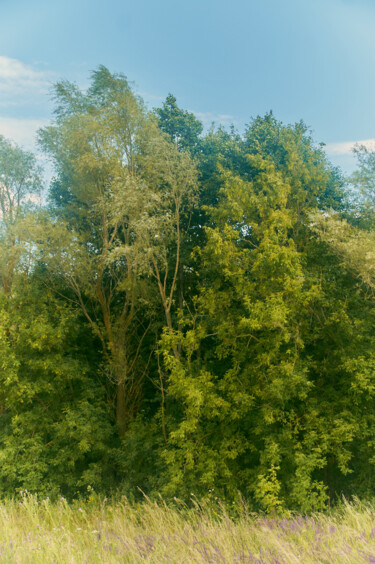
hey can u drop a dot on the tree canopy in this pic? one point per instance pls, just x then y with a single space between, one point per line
189 312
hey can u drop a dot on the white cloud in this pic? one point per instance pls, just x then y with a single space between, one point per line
20 83
150 99
347 147
207 118
23 88
22 131
12 69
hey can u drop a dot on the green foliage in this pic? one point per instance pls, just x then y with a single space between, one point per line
274 326
20 179
20 186
182 126
119 198
55 431
191 313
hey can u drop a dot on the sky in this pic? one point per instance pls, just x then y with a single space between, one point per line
226 61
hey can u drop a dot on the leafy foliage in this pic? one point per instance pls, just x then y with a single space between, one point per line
191 312
55 431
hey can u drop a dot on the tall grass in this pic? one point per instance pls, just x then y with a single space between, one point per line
96 531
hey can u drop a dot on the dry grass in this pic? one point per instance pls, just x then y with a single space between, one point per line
43 532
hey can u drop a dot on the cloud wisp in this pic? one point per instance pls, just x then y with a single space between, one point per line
347 147
22 131
208 118
21 83
23 100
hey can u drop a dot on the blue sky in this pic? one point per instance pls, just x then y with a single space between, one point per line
224 60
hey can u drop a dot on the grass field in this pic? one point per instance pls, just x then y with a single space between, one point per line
97 531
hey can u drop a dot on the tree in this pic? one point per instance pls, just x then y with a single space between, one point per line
55 430
182 126
20 179
121 190
257 351
53 436
20 184
351 235
362 184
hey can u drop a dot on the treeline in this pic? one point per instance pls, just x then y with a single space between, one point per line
188 313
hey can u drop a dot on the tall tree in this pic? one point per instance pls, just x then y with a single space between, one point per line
120 190
20 184
254 364
182 126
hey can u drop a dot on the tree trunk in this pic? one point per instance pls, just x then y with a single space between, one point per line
121 415
180 296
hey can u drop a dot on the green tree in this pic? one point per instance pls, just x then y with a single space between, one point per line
182 126
20 185
257 349
119 195
56 433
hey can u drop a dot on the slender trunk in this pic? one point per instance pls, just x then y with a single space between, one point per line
168 318
162 403
128 384
167 302
180 297
121 415
181 286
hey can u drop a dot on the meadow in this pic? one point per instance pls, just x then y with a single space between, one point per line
95 530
